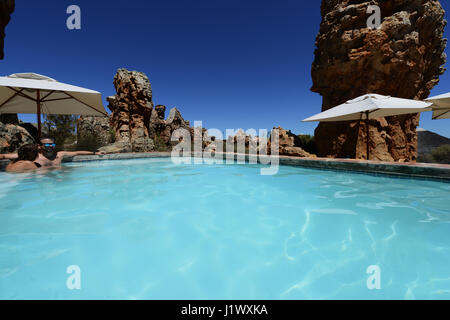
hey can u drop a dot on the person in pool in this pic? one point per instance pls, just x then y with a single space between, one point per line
49 157
26 155
47 154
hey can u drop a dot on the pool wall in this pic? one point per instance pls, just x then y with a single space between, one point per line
413 170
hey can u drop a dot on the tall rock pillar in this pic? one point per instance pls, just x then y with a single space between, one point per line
404 58
131 110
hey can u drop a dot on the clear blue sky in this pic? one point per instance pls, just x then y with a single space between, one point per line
232 64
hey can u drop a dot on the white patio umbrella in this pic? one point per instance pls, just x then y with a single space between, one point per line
35 93
441 106
370 106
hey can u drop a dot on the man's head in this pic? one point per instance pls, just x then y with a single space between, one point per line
27 152
47 147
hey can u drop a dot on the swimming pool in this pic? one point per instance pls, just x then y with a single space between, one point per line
150 229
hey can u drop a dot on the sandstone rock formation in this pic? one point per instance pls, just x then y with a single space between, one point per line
138 126
6 8
158 127
131 110
290 144
402 58
163 129
251 143
239 137
116 147
12 137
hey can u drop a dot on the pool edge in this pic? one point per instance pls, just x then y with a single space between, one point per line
408 170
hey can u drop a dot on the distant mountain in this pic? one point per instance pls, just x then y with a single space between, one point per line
428 141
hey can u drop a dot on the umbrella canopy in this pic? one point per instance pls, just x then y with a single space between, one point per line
370 106
441 106
35 93
19 93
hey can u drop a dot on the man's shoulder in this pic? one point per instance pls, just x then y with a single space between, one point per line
21 165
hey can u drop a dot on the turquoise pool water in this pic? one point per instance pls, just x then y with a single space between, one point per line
149 229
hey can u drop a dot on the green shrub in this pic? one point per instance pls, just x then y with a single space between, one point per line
307 143
425 158
89 142
441 154
160 145
112 135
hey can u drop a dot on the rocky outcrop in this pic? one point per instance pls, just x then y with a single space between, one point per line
131 109
158 127
402 58
136 124
12 137
117 147
176 121
161 129
239 137
6 8
251 143
95 129
290 144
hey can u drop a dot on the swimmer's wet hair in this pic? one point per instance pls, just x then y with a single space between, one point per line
27 152
46 137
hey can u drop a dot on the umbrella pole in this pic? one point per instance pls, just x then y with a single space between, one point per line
367 134
38 101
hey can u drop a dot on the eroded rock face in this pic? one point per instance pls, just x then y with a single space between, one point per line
402 58
12 137
131 110
138 126
6 8
158 126
290 144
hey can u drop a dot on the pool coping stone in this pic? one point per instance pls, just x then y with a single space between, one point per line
409 170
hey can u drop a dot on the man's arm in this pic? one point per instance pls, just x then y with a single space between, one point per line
63 154
9 156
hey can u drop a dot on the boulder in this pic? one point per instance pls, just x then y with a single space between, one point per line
176 121
294 152
199 135
158 127
12 137
287 138
131 110
404 58
242 136
117 147
134 120
290 144
162 129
